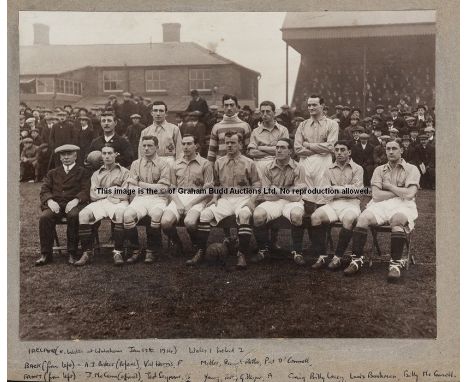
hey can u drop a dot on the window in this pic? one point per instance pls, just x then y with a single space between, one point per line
45 86
200 79
155 80
113 80
69 87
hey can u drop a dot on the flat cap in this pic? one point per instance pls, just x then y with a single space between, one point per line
47 111
30 120
112 96
421 106
411 119
339 107
423 136
65 148
298 119
377 117
84 117
394 108
405 138
346 108
285 106
379 107
28 140
385 137
147 99
214 107
195 113
135 116
367 119
429 129
393 130
357 128
363 136
61 112
126 94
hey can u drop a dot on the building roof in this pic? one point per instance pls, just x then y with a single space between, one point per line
57 59
357 24
296 20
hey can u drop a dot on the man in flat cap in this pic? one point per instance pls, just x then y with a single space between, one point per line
127 108
380 155
64 193
410 153
62 133
363 155
284 117
347 133
427 157
338 110
398 121
28 163
84 135
197 103
375 135
345 117
134 133
421 119
430 132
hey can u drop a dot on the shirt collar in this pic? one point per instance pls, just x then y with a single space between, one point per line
69 167
291 164
163 125
154 160
401 162
318 119
263 127
103 167
349 162
197 159
106 139
235 158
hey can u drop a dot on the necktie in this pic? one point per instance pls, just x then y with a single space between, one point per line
67 169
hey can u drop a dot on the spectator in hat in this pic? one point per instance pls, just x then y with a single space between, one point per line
210 118
284 117
338 112
34 134
31 123
367 122
197 103
379 110
374 139
113 104
347 133
398 121
362 153
426 154
127 108
393 133
421 119
256 118
414 133
380 154
193 126
64 193
410 153
146 117
345 117
28 163
84 135
325 111
62 133
356 131
134 133
430 132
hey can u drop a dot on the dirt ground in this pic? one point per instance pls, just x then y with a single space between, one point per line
273 299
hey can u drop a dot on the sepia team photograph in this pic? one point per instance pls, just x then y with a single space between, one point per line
182 177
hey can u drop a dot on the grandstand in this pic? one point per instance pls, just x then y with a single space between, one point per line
362 59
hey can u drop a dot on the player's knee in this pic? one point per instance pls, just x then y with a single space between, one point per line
129 215
167 221
206 216
85 216
296 216
156 215
317 218
398 221
348 220
118 215
259 216
244 216
191 221
364 220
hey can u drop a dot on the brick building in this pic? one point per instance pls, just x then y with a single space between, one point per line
85 75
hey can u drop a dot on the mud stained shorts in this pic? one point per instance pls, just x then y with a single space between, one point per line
277 208
228 206
104 208
336 209
185 199
144 205
383 211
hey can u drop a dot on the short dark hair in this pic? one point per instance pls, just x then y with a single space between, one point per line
343 143
153 138
321 100
229 96
194 92
108 114
288 141
268 103
232 133
195 138
159 103
111 145
70 106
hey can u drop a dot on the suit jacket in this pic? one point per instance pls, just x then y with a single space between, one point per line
133 135
122 145
83 140
63 187
363 157
411 155
198 105
400 124
427 155
62 133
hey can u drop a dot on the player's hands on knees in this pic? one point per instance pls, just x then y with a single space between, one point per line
54 206
70 205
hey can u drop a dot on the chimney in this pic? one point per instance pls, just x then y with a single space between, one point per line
41 34
171 32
